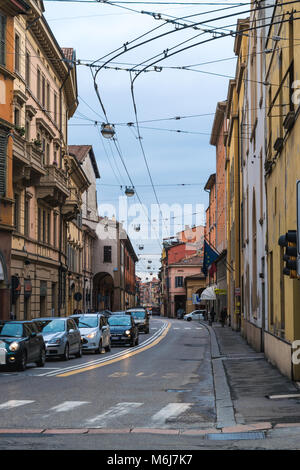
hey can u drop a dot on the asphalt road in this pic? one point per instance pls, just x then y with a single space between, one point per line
165 393
157 386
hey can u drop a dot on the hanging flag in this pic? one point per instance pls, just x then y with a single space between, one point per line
210 256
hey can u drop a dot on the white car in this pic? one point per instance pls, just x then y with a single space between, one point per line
195 315
94 330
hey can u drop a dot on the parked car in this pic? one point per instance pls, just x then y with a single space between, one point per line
61 335
141 318
195 315
20 344
94 330
123 330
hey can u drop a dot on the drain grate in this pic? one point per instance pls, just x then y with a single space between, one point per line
236 436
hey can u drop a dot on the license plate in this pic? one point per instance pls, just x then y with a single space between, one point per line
116 337
2 356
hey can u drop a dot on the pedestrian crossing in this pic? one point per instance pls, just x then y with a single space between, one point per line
84 414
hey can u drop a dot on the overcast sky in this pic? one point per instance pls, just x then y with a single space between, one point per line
173 158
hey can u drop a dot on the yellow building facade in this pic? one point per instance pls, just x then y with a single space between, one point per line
233 140
282 170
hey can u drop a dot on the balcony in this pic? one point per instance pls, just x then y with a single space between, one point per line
53 187
72 205
27 161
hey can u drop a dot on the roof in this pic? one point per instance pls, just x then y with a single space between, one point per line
191 261
211 181
218 120
68 53
81 152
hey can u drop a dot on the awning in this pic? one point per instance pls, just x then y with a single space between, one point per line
208 293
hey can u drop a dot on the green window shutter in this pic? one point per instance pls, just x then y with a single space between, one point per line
2 40
3 148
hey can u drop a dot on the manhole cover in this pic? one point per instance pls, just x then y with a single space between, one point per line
236 436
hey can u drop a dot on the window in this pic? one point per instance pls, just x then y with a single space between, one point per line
2 40
54 230
43 91
17 53
38 84
179 281
48 97
17 213
26 216
39 224
27 130
55 107
107 254
27 69
17 117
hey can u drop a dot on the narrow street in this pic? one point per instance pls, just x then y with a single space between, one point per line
182 387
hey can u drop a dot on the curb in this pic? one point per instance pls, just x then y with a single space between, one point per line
243 428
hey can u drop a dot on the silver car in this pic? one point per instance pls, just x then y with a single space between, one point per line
61 336
94 330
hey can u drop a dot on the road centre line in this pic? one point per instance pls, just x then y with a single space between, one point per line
125 355
104 360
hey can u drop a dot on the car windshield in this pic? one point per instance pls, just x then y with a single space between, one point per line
118 313
11 329
52 326
87 322
140 314
119 320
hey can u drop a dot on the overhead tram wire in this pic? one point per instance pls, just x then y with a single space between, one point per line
232 33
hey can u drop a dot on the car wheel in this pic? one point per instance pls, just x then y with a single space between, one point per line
108 347
23 361
79 354
66 354
189 319
42 359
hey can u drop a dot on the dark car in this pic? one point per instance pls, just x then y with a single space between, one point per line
20 344
123 330
140 317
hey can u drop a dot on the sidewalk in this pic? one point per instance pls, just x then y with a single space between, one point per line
251 380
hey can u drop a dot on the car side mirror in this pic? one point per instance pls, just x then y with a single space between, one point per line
72 330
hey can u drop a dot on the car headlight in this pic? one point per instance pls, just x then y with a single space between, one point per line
55 341
127 332
14 346
91 335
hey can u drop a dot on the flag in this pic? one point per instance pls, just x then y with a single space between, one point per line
210 256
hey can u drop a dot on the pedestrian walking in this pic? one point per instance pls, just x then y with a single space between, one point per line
223 316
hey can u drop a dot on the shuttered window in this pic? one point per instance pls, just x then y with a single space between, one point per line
3 149
2 40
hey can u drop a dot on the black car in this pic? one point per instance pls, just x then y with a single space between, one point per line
123 330
140 317
21 343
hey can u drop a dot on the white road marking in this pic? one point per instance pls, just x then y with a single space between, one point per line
187 328
120 409
14 403
172 410
67 406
